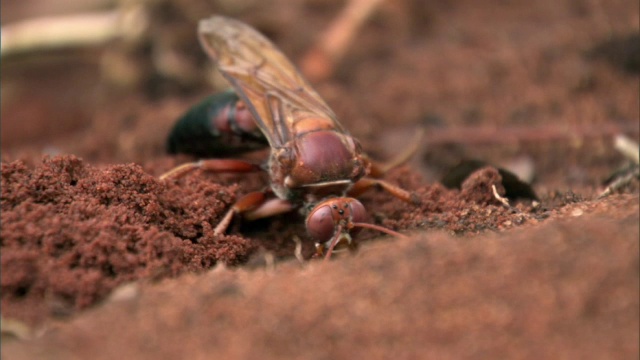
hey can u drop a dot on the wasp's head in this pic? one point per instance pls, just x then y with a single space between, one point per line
332 224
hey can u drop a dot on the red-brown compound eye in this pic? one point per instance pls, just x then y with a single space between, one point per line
358 213
324 219
320 223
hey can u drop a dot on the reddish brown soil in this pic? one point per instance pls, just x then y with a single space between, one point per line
100 259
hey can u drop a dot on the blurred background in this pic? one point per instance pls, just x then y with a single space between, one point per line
543 85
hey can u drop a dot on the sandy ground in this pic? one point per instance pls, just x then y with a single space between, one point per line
100 259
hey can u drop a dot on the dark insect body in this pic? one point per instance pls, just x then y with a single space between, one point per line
313 161
220 125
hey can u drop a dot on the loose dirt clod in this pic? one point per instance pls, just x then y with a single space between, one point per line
72 232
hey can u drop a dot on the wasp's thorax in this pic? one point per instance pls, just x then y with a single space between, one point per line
316 164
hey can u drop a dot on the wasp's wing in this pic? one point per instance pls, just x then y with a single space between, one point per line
270 85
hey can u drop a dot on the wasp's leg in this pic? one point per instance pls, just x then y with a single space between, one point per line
367 183
246 203
254 205
379 169
213 165
271 207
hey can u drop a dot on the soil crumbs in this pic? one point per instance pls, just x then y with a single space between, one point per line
100 259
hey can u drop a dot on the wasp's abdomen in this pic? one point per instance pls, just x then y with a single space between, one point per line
220 125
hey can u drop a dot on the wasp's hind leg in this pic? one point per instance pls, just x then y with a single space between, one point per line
367 183
379 169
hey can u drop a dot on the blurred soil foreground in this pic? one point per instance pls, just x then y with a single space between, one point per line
100 259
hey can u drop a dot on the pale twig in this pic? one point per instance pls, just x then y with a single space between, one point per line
628 148
269 262
86 29
620 182
15 328
504 201
319 62
631 150
298 250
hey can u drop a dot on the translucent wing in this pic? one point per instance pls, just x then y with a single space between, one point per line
273 89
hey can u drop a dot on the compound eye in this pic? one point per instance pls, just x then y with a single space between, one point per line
320 223
358 213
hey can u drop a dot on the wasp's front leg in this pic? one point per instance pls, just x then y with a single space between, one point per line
252 206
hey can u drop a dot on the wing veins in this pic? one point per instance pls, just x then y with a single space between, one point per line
274 91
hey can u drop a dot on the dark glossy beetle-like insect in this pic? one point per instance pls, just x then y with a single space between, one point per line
313 160
221 125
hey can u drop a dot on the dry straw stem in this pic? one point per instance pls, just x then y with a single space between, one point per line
631 150
79 30
620 182
319 62
628 148
504 201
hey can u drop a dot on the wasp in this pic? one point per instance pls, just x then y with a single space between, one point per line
314 163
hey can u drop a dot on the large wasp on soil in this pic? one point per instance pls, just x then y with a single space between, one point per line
313 161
